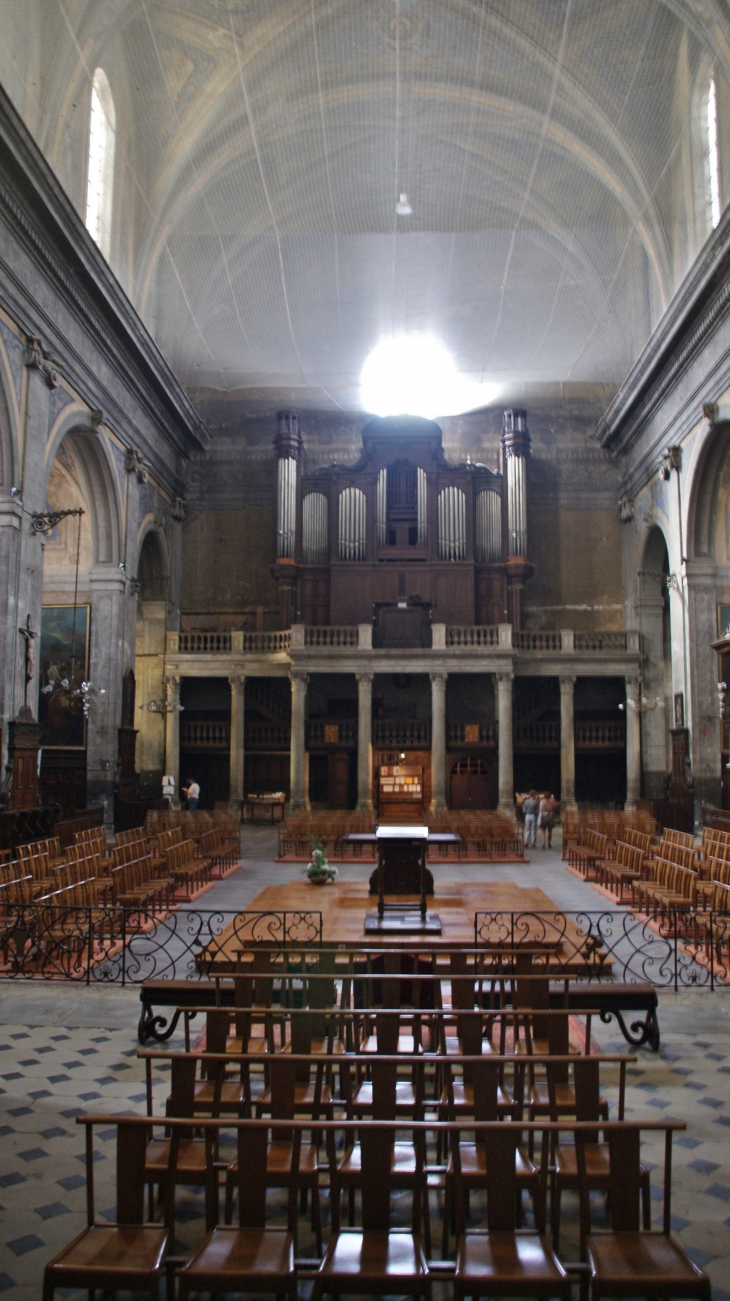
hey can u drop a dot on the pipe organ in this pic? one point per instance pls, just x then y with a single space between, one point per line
402 528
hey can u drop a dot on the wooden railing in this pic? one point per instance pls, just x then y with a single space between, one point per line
400 733
600 641
267 736
204 643
537 641
342 731
204 736
326 636
600 736
478 635
537 736
472 733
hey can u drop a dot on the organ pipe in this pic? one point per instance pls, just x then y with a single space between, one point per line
381 508
422 502
286 513
489 527
315 539
516 505
351 540
452 524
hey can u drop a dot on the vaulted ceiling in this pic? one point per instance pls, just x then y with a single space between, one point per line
548 149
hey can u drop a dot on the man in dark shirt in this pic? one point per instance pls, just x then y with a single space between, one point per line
531 808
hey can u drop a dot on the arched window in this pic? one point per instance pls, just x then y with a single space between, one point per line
100 179
712 155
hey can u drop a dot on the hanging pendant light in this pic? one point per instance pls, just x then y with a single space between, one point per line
403 207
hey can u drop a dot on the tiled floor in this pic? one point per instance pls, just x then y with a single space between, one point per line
68 1049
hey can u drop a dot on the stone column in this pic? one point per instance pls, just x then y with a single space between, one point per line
633 744
567 745
438 741
506 768
364 742
107 589
172 733
238 698
11 519
298 794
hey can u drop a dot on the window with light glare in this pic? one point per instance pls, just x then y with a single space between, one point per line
100 178
713 156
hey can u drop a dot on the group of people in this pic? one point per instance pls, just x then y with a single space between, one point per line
539 811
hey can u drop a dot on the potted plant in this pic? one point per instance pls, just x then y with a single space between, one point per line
319 870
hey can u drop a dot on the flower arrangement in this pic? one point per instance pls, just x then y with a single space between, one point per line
319 870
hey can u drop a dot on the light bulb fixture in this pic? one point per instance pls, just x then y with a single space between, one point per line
403 207
721 689
163 705
644 704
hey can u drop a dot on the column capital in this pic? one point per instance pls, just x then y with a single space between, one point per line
237 680
438 677
567 680
298 676
365 678
503 678
172 680
632 680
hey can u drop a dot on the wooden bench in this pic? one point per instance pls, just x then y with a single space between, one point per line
178 994
613 999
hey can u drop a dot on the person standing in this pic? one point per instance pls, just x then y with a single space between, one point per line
192 794
531 808
548 807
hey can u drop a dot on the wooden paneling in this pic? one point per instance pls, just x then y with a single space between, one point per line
63 779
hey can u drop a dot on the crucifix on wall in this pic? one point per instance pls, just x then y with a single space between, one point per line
28 637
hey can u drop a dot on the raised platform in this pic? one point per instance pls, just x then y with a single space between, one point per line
344 906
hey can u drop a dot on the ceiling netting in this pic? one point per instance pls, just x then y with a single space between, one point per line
548 149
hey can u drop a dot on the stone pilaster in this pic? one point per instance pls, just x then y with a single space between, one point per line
107 586
633 744
506 763
172 733
238 700
567 744
298 794
701 598
364 742
438 741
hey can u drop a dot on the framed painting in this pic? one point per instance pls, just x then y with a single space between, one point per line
723 620
63 664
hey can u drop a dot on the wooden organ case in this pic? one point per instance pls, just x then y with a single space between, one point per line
402 529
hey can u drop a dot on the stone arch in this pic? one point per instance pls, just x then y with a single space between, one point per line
153 561
95 469
705 492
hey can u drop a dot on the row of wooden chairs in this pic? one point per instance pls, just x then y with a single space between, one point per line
256 1256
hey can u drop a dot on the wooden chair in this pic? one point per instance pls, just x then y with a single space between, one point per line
192 1162
250 1257
408 1168
374 1259
504 1260
472 1157
282 1105
565 1163
626 1261
128 1254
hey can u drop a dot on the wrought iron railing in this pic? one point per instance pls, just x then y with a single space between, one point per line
675 950
129 946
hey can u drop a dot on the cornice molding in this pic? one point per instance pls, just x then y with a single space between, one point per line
696 310
57 241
